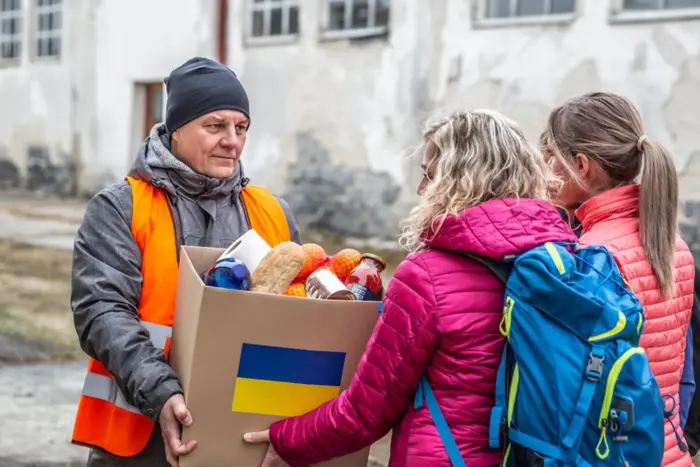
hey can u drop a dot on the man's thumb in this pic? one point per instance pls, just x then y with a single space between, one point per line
182 414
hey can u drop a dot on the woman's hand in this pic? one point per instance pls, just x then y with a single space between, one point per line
272 459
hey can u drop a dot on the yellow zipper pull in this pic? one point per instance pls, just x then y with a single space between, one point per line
604 441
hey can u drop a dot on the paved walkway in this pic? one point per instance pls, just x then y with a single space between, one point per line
47 223
37 406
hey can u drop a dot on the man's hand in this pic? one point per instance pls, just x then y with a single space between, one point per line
272 459
174 414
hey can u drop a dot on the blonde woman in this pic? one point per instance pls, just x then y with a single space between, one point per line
596 143
481 191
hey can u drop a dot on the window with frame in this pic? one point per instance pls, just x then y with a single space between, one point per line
519 8
48 28
353 15
645 5
10 30
270 18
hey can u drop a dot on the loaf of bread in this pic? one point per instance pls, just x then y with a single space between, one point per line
278 268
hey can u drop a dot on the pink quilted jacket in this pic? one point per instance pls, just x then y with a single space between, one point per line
612 219
441 316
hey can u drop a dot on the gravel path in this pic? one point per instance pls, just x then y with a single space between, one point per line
37 406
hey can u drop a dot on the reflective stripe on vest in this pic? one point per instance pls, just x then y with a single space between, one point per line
105 419
103 387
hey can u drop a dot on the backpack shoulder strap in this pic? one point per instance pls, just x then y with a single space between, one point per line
500 269
425 394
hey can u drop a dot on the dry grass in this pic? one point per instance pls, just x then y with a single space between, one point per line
34 300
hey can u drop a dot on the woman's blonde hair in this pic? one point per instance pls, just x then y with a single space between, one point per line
608 129
479 156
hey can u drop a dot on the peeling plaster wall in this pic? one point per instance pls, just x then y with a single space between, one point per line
524 71
358 98
364 102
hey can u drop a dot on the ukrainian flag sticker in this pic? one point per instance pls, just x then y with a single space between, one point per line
286 382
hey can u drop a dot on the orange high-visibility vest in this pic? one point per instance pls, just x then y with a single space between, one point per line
105 420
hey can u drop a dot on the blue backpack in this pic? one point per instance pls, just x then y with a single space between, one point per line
573 388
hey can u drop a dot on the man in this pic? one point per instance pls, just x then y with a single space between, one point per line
186 187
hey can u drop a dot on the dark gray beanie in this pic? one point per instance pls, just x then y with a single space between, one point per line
200 86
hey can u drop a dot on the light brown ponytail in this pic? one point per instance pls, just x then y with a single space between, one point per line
608 129
658 211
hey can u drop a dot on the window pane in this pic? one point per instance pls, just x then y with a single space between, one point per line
682 3
563 6
337 15
360 14
157 103
529 7
57 20
382 13
498 9
641 4
55 46
294 20
258 24
5 5
276 22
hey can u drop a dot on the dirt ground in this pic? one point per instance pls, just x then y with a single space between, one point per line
35 319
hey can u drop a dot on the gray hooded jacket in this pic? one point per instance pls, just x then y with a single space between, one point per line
106 285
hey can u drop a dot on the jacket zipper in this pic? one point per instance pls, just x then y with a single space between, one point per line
245 211
173 216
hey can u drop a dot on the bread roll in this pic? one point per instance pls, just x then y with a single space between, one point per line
278 268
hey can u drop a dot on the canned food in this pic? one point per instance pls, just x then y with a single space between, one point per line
323 284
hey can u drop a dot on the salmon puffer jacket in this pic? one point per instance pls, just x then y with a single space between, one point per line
441 317
612 219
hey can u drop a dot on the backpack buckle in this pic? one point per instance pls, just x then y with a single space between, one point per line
594 369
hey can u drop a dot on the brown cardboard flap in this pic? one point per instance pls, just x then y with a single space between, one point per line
190 290
208 356
201 258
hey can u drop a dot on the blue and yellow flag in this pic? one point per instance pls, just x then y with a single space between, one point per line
286 382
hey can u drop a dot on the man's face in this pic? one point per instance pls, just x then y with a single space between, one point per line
212 144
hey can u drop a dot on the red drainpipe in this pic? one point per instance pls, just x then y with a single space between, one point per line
222 30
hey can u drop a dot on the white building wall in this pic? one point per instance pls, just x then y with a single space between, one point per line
138 41
525 71
365 102
362 102
37 94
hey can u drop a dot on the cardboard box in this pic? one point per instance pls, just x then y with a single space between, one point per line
234 351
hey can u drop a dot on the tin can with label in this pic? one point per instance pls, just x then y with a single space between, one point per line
323 284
